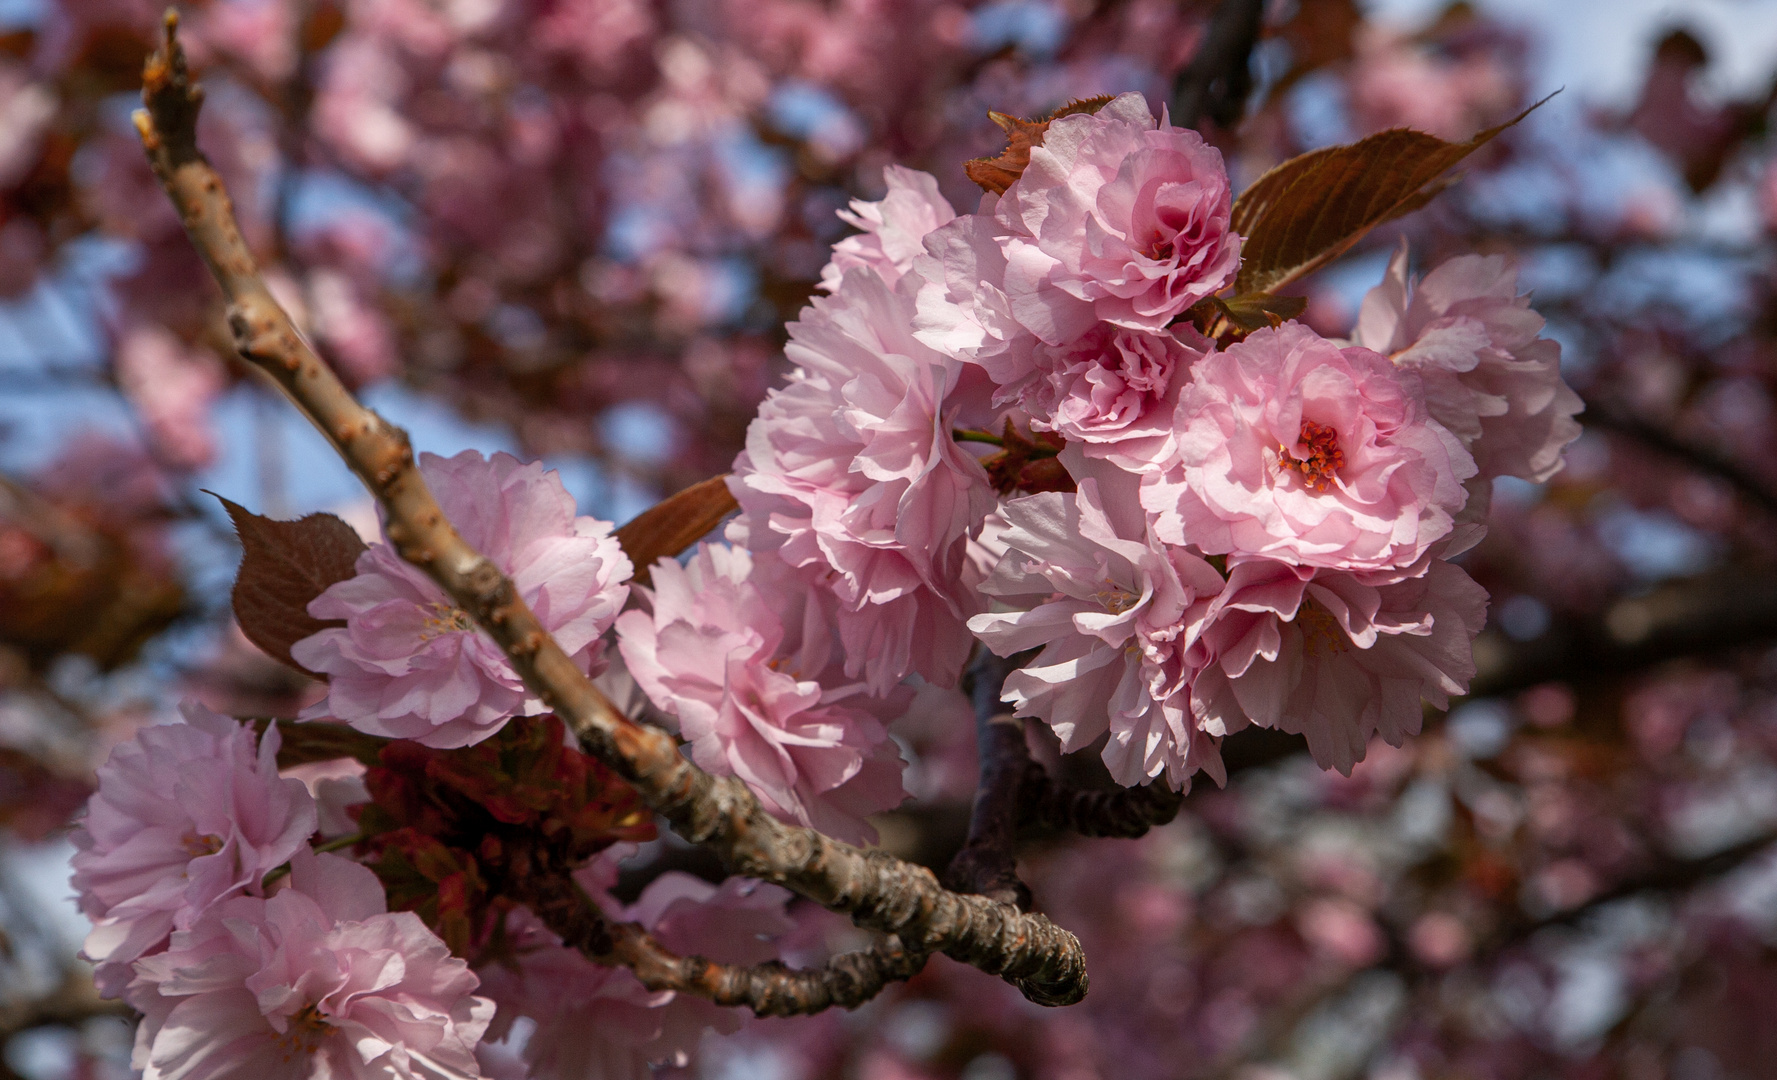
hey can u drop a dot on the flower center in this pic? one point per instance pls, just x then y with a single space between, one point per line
1321 633
1161 250
444 620
1320 467
1115 600
198 846
303 1036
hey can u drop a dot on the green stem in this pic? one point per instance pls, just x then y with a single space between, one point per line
972 435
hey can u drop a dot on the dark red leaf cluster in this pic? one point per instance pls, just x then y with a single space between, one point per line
452 833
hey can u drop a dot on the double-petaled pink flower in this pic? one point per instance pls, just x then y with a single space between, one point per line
895 227
321 980
1112 610
851 473
410 664
1336 657
1472 340
1118 219
185 816
1288 446
735 647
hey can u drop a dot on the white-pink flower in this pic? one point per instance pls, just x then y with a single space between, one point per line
735 647
1116 218
1336 657
409 664
598 1023
1288 446
318 981
185 816
850 472
1488 377
1112 609
894 227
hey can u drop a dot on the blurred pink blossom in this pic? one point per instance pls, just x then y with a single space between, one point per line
172 385
320 980
597 1021
185 816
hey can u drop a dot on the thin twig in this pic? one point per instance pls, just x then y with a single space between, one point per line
877 890
987 863
1604 414
769 989
1216 82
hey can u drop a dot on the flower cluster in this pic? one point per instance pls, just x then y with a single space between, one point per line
1255 529
232 962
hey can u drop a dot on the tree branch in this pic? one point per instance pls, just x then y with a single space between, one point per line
768 989
1216 82
880 892
988 861
1603 414
1017 792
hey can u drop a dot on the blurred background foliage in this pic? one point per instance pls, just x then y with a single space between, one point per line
575 228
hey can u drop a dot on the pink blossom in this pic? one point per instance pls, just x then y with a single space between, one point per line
185 816
894 227
850 472
1472 340
1114 389
1292 447
1113 616
734 647
1116 218
319 980
172 386
599 1022
1334 656
409 664
962 309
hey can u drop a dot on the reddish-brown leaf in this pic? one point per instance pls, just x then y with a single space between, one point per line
287 564
320 740
1309 210
674 524
996 174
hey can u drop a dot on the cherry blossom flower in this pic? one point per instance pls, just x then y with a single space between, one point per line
1113 616
733 647
319 980
1116 218
173 385
894 227
599 1022
962 309
410 664
850 471
1472 340
1292 447
185 816
1114 389
1335 657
